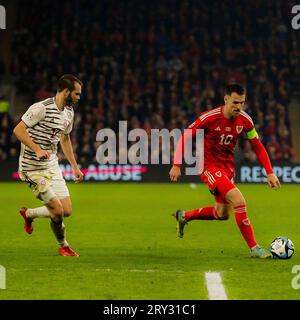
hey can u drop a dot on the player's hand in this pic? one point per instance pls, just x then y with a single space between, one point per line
42 154
273 181
175 173
78 175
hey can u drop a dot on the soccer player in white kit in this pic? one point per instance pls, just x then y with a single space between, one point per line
42 127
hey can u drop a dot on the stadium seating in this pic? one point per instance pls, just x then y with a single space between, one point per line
158 64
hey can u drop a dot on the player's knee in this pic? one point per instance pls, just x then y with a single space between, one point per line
67 211
67 214
57 210
223 217
223 214
235 198
58 213
67 207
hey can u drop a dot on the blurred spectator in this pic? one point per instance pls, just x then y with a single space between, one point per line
8 143
2 69
159 64
249 154
274 148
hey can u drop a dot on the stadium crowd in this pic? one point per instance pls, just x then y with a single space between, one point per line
157 64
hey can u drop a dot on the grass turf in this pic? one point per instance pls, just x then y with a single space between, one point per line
125 236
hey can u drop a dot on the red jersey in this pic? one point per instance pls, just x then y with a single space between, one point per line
220 137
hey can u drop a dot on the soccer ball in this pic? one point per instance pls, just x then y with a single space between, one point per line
282 248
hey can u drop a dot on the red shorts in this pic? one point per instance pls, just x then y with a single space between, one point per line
218 181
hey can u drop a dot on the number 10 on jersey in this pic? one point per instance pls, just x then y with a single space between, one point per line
224 140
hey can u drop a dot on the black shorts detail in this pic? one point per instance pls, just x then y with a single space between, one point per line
214 192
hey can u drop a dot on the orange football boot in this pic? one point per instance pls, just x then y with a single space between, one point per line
67 252
27 221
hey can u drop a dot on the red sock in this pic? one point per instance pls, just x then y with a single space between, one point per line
244 225
207 213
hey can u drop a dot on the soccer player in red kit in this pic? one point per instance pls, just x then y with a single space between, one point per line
222 127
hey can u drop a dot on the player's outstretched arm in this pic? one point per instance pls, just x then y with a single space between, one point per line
175 171
184 140
264 159
67 148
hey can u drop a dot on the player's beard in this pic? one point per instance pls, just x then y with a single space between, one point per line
236 112
69 101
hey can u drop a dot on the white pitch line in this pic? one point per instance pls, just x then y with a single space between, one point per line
107 270
216 290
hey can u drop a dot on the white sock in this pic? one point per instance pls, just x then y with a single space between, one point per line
41 212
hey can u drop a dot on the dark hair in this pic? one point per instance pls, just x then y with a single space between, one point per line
235 87
67 81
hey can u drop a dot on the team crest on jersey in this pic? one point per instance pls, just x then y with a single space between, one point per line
239 129
227 129
218 129
218 174
66 123
29 115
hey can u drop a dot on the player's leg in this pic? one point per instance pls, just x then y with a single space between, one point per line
56 210
238 202
61 191
213 178
43 212
50 187
223 210
39 183
220 211
39 212
56 221
67 206
228 196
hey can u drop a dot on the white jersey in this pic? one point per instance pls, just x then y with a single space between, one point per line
45 124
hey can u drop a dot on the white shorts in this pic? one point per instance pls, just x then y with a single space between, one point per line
48 181
58 184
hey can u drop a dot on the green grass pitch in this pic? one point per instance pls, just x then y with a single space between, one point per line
126 239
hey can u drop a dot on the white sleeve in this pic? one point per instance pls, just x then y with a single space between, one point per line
33 115
70 125
69 128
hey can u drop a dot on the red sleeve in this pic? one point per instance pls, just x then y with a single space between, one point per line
188 134
261 154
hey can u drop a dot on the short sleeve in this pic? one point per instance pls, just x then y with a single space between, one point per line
69 128
70 117
33 115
